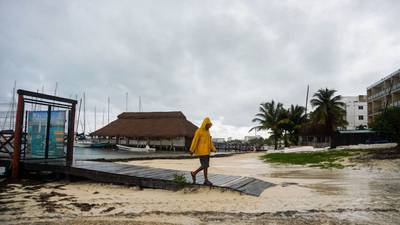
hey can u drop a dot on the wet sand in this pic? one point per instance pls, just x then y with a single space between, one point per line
367 193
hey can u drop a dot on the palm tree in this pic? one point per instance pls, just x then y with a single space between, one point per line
295 120
329 110
270 117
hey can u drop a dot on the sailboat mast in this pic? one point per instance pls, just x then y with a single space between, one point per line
95 118
55 89
108 110
84 113
12 106
126 102
103 118
40 106
140 104
79 113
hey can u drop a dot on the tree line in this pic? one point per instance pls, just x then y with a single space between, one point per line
284 125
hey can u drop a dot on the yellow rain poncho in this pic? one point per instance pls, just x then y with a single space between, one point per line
202 143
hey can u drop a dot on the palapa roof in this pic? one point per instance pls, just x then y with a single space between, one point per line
149 125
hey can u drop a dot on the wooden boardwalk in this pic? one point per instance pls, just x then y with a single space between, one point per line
145 176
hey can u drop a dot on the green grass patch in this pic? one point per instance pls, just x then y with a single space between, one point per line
322 159
180 180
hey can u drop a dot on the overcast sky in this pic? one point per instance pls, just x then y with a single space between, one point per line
204 58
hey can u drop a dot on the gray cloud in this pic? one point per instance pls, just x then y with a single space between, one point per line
215 58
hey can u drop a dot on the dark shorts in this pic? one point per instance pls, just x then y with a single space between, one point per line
205 161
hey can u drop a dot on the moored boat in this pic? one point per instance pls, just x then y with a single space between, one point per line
135 149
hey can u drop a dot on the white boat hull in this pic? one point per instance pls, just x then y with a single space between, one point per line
134 149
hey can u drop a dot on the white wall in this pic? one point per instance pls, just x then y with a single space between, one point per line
353 112
218 140
249 138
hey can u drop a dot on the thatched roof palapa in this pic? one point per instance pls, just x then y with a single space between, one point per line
148 125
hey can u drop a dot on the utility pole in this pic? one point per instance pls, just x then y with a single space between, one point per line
308 90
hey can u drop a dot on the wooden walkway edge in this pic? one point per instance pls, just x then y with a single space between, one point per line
145 176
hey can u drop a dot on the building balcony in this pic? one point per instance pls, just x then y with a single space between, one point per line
395 87
395 104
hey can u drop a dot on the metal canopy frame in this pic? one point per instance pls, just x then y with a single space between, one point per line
50 101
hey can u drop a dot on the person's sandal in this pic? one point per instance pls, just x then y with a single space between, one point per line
193 177
208 183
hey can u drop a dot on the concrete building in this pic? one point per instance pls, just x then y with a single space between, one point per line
356 111
249 138
218 140
384 93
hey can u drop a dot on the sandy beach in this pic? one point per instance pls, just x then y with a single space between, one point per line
366 193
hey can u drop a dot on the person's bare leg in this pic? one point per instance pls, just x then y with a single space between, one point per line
198 170
205 171
194 173
206 181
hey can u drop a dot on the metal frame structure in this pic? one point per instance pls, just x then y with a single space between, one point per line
50 101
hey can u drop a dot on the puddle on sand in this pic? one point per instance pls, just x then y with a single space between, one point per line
306 174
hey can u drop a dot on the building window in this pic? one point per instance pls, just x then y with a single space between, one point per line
360 117
360 107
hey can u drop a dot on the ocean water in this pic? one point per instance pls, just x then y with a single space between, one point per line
108 153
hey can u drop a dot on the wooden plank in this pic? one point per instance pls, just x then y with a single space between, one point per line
223 179
147 172
169 175
126 168
115 170
187 176
157 173
255 187
135 171
200 177
146 176
230 181
98 166
241 183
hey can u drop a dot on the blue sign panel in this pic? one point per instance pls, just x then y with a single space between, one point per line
37 127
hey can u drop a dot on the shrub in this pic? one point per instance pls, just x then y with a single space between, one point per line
388 123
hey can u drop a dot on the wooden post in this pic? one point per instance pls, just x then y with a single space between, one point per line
25 132
70 142
17 135
46 149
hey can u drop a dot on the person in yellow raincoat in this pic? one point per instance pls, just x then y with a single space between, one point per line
202 146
